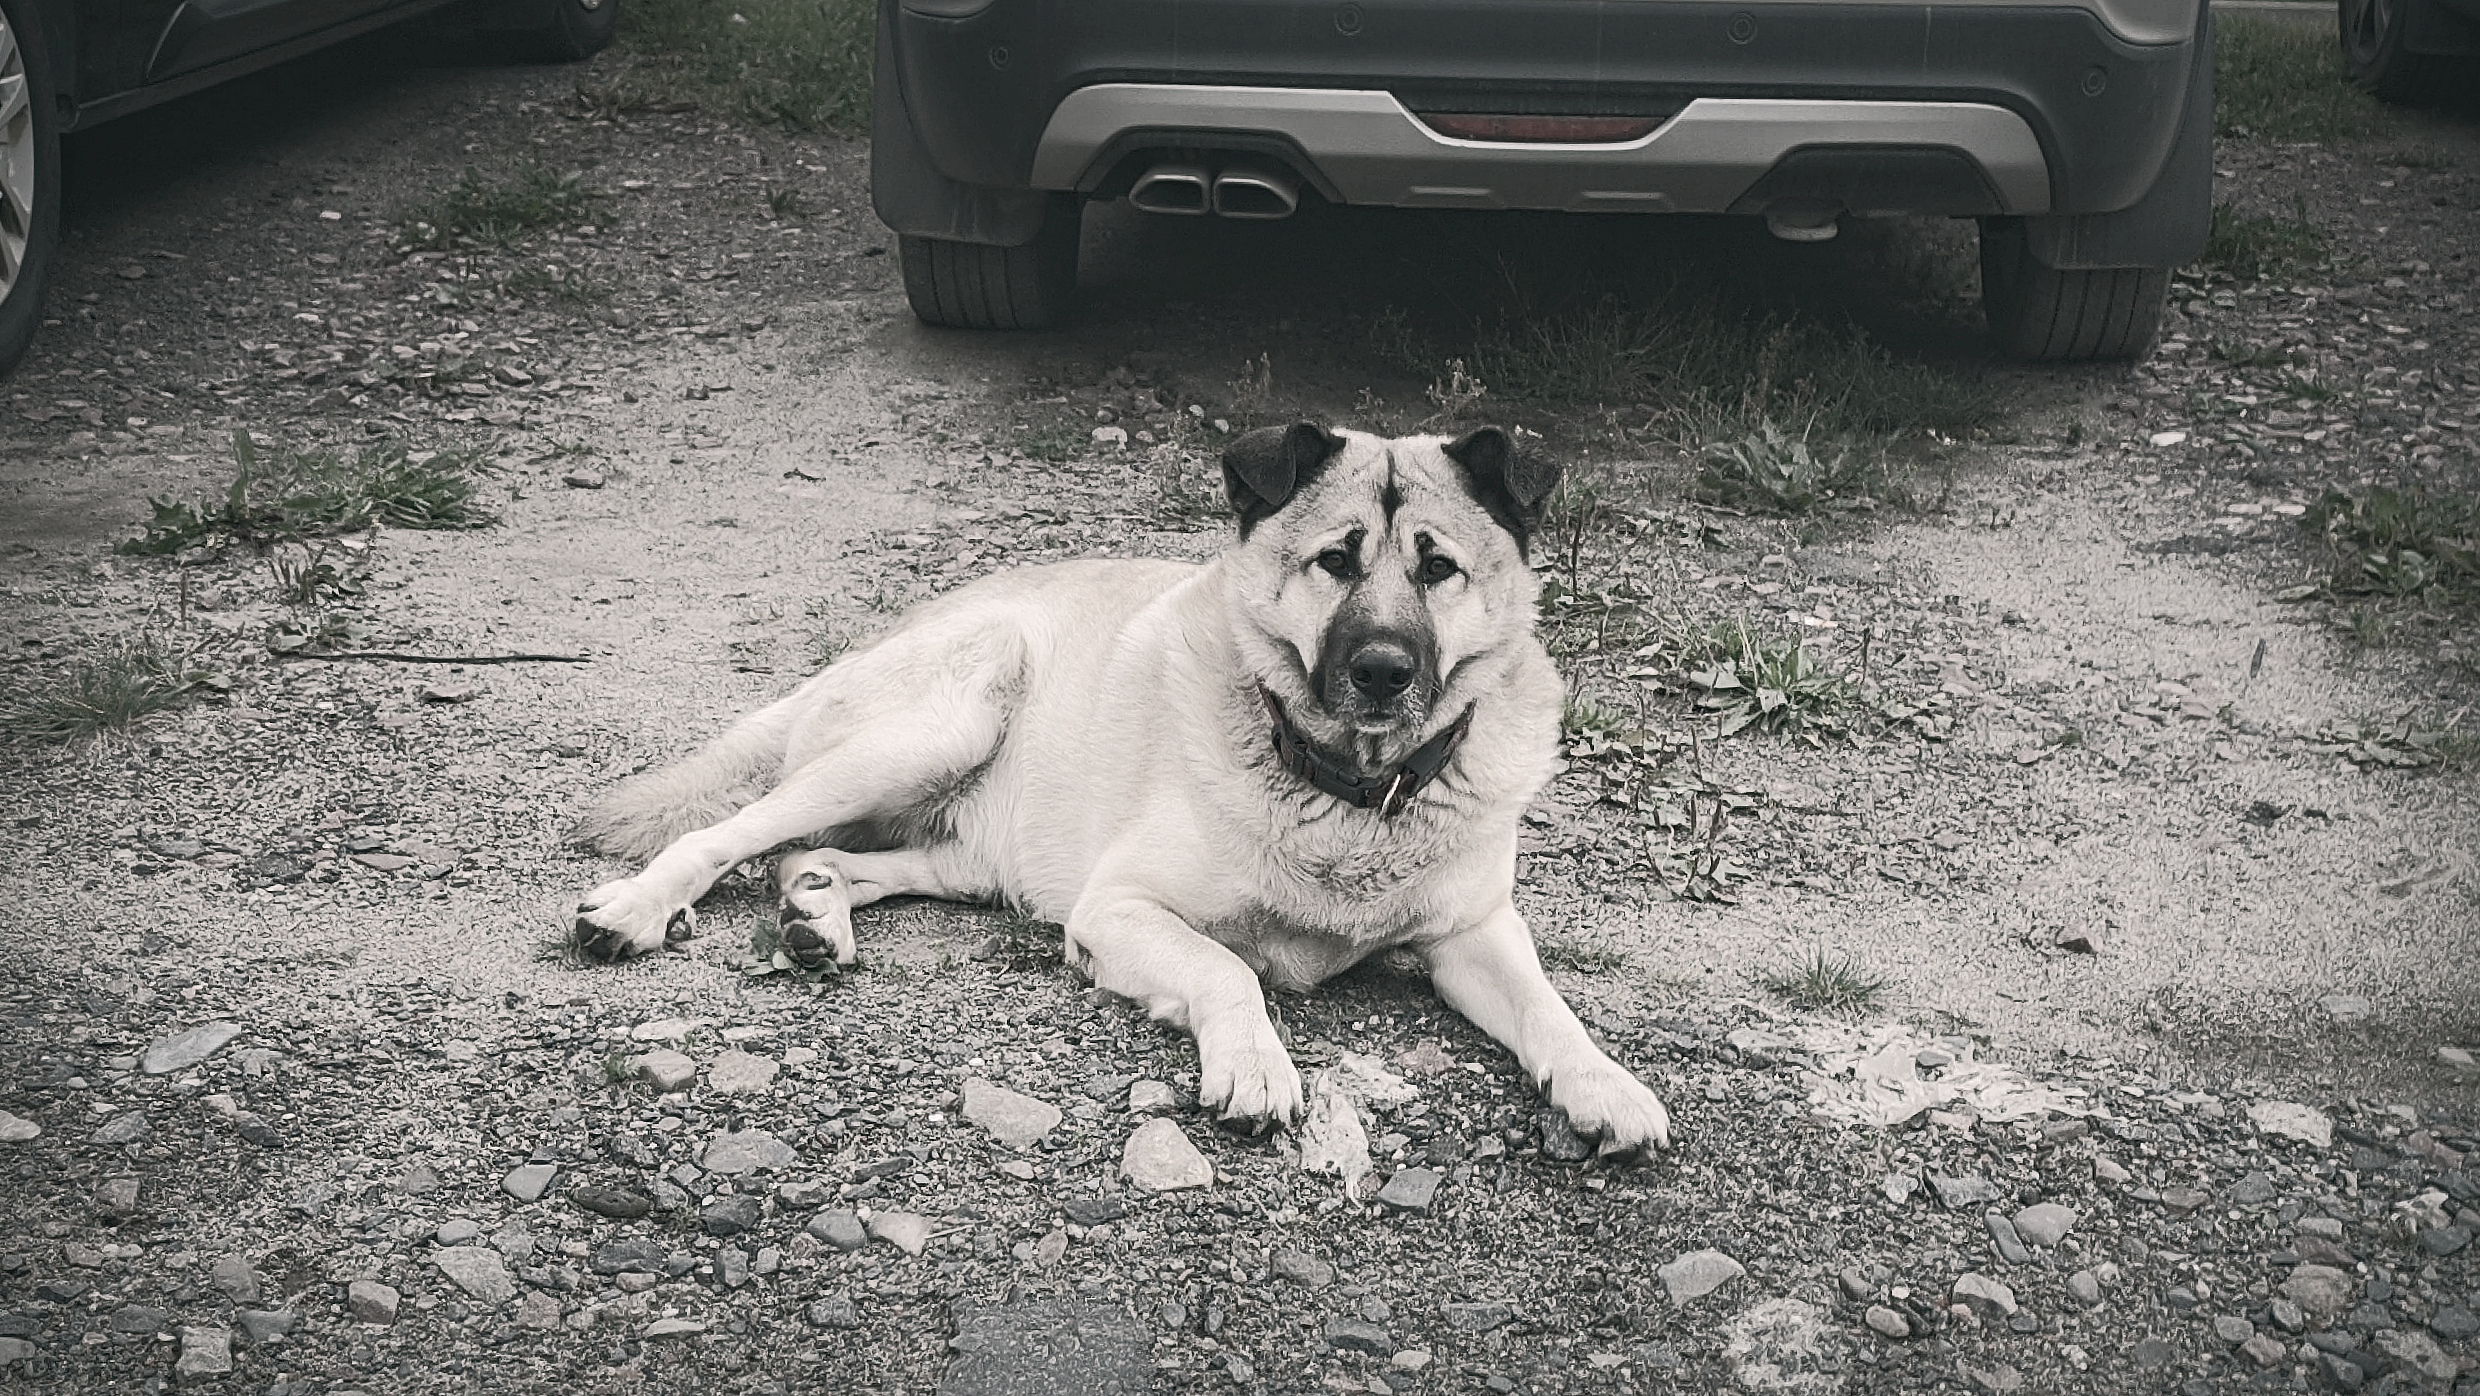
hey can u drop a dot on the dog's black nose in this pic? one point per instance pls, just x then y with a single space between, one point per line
1382 670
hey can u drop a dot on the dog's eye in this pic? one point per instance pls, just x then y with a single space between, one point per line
1335 562
1437 567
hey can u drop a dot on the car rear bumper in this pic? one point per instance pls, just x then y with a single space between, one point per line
1987 108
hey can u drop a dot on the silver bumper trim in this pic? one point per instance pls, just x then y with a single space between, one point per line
1373 151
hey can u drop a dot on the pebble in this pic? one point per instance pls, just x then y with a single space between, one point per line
583 479
419 1180
1411 1189
2458 1061
2286 1315
835 1311
840 1229
730 1216
117 1198
1159 1158
2290 1120
1480 1317
2321 1290
233 1276
14 1351
1358 1335
477 1270
666 1070
527 1182
2108 1170
128 1127
1899 1187
675 1327
1697 1274
1959 1193
266 1325
741 1073
746 1151
1560 1141
801 1194
906 1231
2233 1330
1855 1283
371 1302
2454 1323
1304 1269
2153 1352
2045 1224
2445 1240
187 1048
16 1129
1886 1322
205 1352
1014 1120
538 1311
619 1204
1152 1098
2253 1190
2000 1380
1111 438
2349 1010
1984 1294
2264 1350
2002 1235
2418 1351
2085 1287
732 1267
629 1255
667 1029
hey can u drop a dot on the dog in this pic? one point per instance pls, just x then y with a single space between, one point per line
1224 778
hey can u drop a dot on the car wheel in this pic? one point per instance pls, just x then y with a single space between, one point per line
2372 48
579 29
29 177
2047 315
973 286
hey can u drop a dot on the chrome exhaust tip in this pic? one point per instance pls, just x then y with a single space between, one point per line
1255 190
1173 188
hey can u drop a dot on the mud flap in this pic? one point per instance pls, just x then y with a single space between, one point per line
910 194
2165 228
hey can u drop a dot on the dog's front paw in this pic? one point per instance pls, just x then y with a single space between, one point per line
1250 1081
619 920
815 916
1605 1103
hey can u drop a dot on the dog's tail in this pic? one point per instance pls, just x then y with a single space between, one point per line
642 815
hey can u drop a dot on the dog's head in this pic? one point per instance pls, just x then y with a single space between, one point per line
1378 582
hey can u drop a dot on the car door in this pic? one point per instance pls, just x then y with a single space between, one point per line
184 36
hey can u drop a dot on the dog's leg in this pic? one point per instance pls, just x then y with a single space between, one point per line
1136 949
821 887
1490 974
877 771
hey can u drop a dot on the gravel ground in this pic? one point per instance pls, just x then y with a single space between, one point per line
730 451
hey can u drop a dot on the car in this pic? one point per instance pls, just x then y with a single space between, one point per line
68 65
2411 50
2078 133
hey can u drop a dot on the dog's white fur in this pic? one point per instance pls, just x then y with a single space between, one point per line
1086 740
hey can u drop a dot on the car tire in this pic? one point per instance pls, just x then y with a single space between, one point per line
29 177
2372 49
2046 315
579 29
974 286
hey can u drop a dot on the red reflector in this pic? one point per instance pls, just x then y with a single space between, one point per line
1562 130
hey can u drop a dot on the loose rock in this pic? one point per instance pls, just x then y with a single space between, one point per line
1697 1274
477 1270
128 1127
2289 1120
2045 1224
232 1274
1985 1295
1302 1268
1159 1158
371 1302
1356 1335
187 1048
1012 1119
1480 1317
666 1070
1411 1189
747 1151
2324 1292
527 1182
1886 1322
741 1073
905 1231
840 1229
205 1352
620 1204
16 1129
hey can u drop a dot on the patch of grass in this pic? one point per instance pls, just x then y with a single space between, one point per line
2399 542
1771 471
1053 442
2250 248
1826 983
130 680
786 203
481 211
804 64
1772 683
2240 355
2407 742
570 285
1560 952
2280 81
308 494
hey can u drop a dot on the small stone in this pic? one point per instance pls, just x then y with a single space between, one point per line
675 1328
1303 1269
2108 1170
266 1325
1899 1187
371 1302
477 1270
1984 1294
905 1231
2286 1316
2342 1372
583 479
2416 1350
1014 1120
619 1204
2454 1323
232 1274
2289 1120
835 1311
1411 1189
2264 1350
2445 1240
631 1255
1111 438
527 1182
2233 1330
741 1073
2045 1224
117 1198
538 1311
2253 1190
2153 1353
2324 1228
1958 1193
1093 1211
2167 438
732 1267
418 1181
1358 1335
127 1127
635 1282
840 1229
1152 1098
801 1194
766 1260
2458 1062
1855 1283
456 1231
16 1129
732 1215
667 1029
2324 1292
1159 1158
1697 1274
136 1318
205 1352
2348 1010
2002 1235
2000 1380
1886 1323
2085 1287
665 1070
2181 1298
15 1351
1480 1317
746 1151
187 1048
1559 1140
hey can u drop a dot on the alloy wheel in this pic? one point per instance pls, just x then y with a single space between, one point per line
16 158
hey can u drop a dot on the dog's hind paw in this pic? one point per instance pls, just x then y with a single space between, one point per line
815 916
619 920
1606 1104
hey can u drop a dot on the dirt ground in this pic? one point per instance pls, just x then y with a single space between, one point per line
734 450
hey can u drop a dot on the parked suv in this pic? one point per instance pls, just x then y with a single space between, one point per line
2412 50
2078 132
66 65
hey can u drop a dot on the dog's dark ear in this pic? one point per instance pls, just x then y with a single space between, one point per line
1263 469
1514 489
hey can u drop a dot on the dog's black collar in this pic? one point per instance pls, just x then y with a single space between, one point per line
1387 794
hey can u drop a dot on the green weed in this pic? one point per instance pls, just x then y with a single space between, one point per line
1053 442
786 203
804 64
480 211
2399 542
2281 81
310 494
2402 743
2250 248
1772 683
1771 471
129 680
1826 983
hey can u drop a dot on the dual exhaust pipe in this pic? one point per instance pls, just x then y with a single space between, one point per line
1242 189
